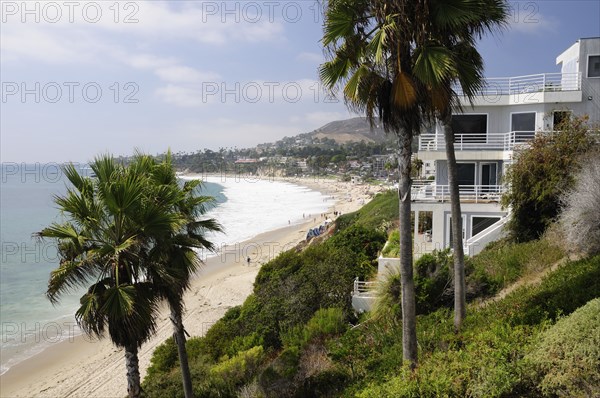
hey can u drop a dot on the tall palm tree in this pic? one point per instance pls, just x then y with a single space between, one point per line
179 255
448 59
371 49
402 59
112 221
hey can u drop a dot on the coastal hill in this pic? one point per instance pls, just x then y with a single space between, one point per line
340 132
351 130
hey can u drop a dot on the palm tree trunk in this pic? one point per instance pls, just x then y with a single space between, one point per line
179 336
460 304
409 323
134 389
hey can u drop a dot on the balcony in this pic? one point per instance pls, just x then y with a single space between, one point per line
468 193
363 295
542 82
490 141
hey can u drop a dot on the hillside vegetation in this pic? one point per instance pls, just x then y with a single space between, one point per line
296 335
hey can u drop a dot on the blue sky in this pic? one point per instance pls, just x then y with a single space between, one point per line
83 78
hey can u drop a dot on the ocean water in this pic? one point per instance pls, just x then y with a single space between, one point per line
29 323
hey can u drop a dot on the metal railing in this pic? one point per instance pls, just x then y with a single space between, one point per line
490 141
473 193
364 289
542 82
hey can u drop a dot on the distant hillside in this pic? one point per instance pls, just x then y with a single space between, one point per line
350 130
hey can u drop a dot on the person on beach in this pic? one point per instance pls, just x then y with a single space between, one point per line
248 260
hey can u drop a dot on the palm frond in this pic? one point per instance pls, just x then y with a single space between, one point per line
118 301
434 65
89 316
340 21
68 276
404 91
334 72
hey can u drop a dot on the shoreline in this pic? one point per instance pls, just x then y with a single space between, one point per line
77 367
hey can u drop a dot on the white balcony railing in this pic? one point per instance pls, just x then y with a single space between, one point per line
468 193
490 141
542 82
364 289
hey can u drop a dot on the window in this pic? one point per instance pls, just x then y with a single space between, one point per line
489 176
482 223
523 124
466 173
593 69
559 117
469 128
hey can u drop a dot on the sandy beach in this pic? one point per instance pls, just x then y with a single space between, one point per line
78 367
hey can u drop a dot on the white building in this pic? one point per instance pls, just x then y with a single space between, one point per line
508 113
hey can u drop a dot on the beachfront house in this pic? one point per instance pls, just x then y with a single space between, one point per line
507 114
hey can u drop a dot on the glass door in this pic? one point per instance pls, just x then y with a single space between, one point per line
489 177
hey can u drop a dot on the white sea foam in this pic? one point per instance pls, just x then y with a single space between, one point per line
255 206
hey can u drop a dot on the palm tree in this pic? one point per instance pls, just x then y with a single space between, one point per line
371 49
178 253
446 60
401 59
418 167
112 221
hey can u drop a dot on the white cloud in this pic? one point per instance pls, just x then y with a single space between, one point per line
73 38
181 96
41 45
184 74
146 61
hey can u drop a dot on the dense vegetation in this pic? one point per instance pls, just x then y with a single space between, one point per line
270 326
541 173
293 337
498 351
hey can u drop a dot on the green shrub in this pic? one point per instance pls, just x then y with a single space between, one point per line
364 243
241 368
560 293
277 379
164 358
566 358
325 323
164 385
541 173
194 347
329 383
218 338
433 282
